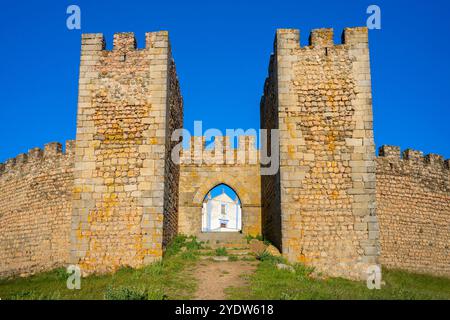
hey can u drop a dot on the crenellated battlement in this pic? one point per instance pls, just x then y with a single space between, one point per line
413 157
122 41
413 206
220 151
322 38
431 169
52 152
35 207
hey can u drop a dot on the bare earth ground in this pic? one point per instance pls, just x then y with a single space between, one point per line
214 277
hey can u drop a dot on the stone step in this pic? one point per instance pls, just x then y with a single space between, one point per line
222 237
238 252
247 257
227 258
220 258
205 251
215 258
228 245
233 252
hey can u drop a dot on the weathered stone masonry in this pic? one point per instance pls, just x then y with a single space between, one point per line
174 117
124 191
319 97
203 169
115 198
413 203
270 184
35 210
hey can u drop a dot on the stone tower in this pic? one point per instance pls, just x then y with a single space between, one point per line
320 207
125 196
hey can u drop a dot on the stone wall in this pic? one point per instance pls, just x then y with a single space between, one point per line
413 206
126 97
172 170
327 168
270 184
203 169
35 210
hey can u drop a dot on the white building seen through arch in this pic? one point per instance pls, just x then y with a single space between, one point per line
221 213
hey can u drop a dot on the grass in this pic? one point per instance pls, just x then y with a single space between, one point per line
166 279
172 278
221 252
129 293
265 256
270 283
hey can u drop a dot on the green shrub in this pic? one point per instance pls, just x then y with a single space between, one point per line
303 270
265 256
193 244
32 295
181 241
221 252
233 258
247 258
61 274
289 295
125 293
156 294
175 245
154 269
189 255
24 295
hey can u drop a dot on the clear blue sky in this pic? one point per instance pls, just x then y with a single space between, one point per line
222 51
217 190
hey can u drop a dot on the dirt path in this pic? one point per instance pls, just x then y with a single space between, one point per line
214 277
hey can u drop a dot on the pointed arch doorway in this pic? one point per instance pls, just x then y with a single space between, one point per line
221 210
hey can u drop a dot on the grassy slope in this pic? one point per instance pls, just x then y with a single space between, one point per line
171 279
270 283
166 279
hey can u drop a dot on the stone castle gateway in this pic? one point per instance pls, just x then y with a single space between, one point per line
115 198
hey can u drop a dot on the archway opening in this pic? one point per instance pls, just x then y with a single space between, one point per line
221 210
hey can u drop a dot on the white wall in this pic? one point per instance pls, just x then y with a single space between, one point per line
212 216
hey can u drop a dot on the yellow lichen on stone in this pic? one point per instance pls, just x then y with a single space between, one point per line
330 141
